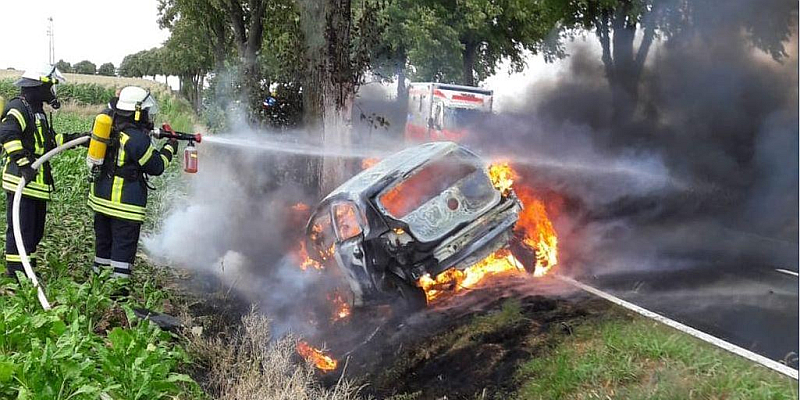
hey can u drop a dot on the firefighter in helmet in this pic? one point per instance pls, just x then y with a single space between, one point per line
119 192
26 134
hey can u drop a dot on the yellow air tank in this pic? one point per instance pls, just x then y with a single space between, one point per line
99 143
2 104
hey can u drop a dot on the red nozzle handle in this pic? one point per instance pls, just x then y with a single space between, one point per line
168 132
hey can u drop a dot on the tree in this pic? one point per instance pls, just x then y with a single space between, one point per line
206 21
187 58
238 22
107 69
85 67
339 40
64 66
616 22
463 41
131 66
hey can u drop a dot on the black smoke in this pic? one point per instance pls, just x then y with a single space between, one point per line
705 167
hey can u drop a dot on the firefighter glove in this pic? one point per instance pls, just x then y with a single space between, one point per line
22 158
173 144
28 173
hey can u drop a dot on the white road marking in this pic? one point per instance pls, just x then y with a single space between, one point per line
786 271
769 363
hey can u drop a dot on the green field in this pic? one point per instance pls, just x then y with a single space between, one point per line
87 345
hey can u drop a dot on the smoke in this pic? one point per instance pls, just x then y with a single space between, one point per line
241 220
703 170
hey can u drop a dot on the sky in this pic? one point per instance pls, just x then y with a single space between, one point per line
100 31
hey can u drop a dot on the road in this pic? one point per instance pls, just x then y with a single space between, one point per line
755 307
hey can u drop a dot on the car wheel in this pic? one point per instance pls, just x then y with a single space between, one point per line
412 298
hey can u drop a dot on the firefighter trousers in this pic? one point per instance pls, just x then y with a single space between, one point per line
116 241
32 215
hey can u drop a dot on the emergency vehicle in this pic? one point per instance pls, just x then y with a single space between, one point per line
438 111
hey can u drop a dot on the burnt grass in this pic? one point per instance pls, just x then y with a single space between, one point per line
465 347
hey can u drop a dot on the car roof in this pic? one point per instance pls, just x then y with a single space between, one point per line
375 178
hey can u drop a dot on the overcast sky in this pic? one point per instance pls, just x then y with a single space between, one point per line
96 30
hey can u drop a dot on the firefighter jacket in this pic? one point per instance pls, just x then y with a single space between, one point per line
120 190
26 135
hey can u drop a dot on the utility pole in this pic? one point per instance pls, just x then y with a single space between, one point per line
52 53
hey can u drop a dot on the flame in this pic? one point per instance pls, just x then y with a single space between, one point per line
341 308
534 227
502 176
305 261
369 162
538 231
316 357
453 280
300 207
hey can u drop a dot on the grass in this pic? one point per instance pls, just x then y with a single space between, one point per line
249 364
635 358
568 352
77 350
89 346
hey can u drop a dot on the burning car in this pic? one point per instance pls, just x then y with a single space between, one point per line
418 213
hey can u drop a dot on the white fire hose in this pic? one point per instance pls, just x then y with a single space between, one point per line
23 254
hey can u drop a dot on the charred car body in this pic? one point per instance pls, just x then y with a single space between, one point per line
421 211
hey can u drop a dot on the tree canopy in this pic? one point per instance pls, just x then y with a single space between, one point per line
85 67
107 69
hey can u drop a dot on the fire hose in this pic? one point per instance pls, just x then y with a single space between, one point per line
23 254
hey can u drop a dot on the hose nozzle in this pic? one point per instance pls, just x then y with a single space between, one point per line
167 132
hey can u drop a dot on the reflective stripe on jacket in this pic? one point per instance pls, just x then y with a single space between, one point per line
120 190
22 129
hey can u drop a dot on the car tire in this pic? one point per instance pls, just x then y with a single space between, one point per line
411 298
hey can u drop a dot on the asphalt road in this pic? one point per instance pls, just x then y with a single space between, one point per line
753 307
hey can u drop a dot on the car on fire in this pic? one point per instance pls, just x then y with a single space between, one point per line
421 211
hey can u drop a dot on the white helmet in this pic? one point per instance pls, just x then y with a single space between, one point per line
137 100
37 76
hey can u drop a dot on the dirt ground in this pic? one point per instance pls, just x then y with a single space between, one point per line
463 347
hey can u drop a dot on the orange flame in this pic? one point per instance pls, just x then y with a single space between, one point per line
502 176
534 226
305 261
453 280
369 162
538 232
316 357
341 308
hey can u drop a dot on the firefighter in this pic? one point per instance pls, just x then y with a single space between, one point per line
119 192
26 134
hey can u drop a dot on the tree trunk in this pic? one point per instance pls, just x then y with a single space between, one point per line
248 43
623 64
400 69
339 91
312 23
469 63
